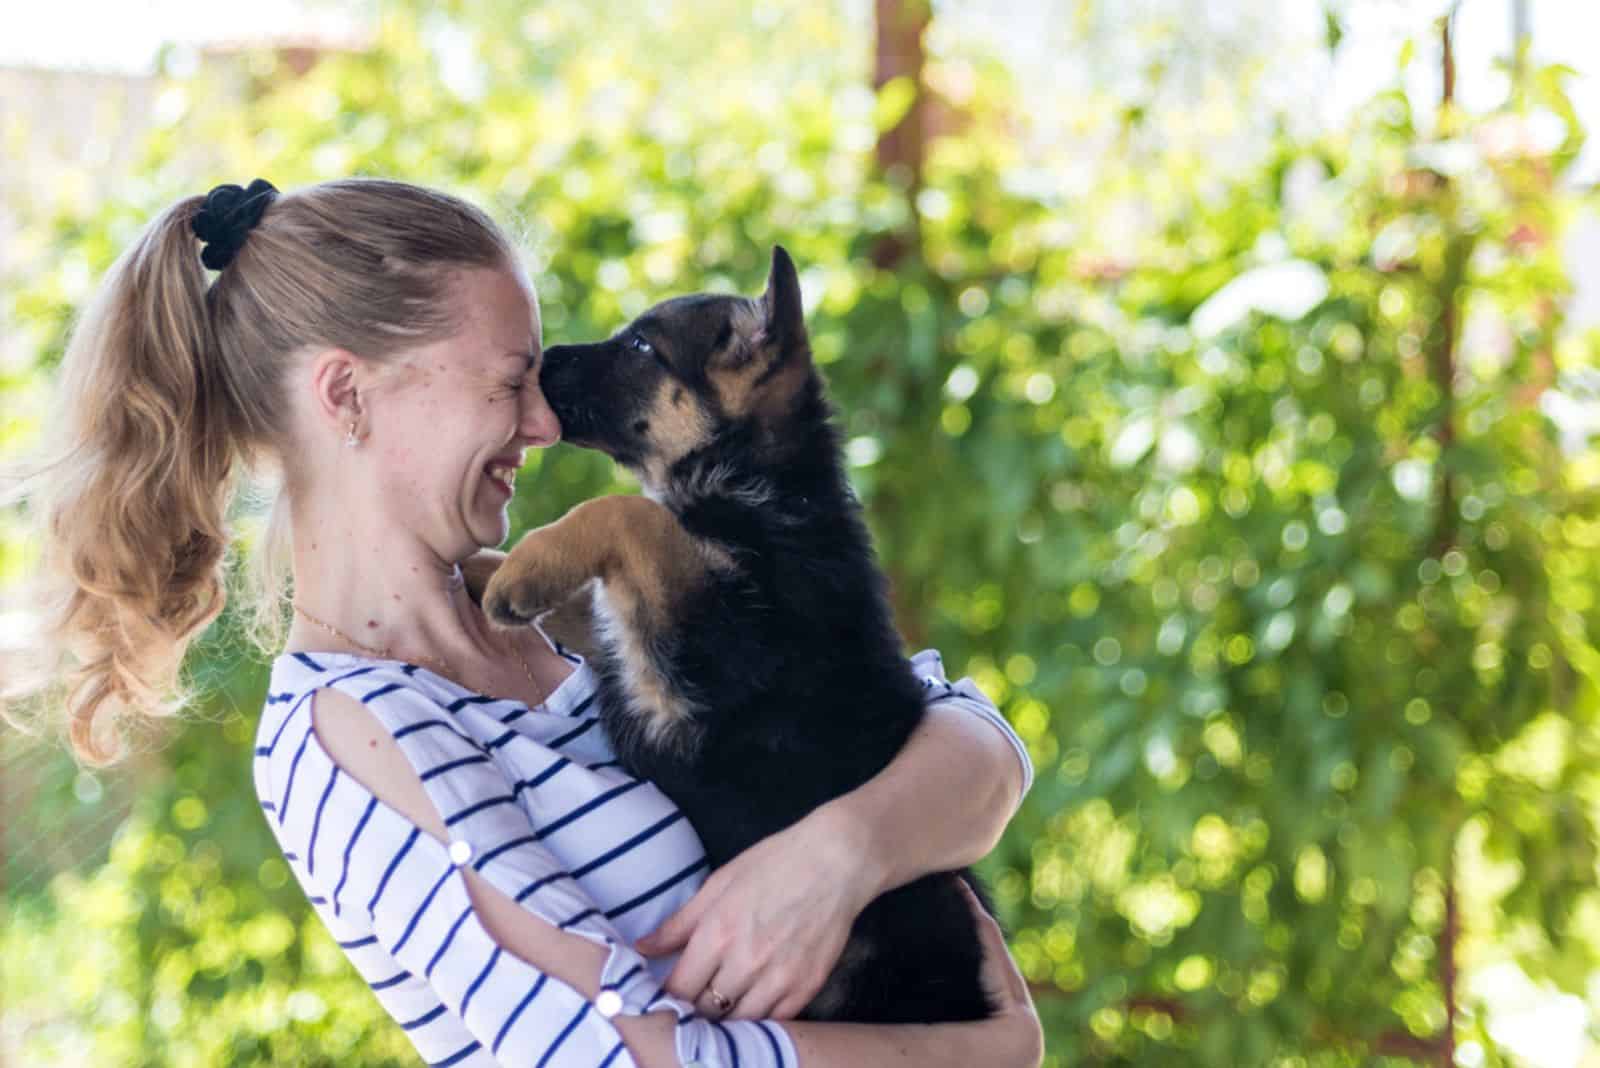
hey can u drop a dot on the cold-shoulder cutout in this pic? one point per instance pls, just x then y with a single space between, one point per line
363 749
533 801
534 819
360 745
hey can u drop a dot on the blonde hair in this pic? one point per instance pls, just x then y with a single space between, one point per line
171 391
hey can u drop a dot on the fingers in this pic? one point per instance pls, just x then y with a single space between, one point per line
749 992
702 980
755 1005
753 990
708 1002
759 949
764 1000
668 938
692 973
703 955
677 931
790 1007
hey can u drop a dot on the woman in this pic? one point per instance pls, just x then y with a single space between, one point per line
437 785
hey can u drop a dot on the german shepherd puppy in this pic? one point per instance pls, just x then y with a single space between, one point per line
748 661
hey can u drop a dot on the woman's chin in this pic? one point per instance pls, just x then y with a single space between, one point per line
490 523
492 514
490 534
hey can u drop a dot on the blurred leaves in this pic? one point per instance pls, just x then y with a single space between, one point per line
1294 605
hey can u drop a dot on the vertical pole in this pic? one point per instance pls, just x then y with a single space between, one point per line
901 149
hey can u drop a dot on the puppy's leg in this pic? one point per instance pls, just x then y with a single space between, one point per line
645 564
633 544
572 624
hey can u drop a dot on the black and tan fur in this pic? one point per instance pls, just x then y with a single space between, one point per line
747 657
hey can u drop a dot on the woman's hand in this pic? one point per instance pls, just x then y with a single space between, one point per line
1015 1019
766 929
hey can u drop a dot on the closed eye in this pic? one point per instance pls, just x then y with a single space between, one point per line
513 387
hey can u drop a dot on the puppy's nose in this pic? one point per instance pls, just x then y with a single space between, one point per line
558 362
560 354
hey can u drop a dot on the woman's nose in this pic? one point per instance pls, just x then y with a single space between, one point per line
539 422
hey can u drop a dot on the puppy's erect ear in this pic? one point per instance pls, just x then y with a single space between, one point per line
773 361
785 323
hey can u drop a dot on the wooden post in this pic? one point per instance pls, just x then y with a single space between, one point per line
901 149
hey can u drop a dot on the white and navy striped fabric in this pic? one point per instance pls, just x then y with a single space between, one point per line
534 800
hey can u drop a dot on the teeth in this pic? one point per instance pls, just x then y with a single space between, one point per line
503 473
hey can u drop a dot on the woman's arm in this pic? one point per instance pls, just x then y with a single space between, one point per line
1012 1035
1011 1038
942 803
767 927
364 749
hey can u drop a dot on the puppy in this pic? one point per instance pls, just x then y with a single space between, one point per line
748 661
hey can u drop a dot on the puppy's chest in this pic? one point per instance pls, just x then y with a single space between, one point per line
678 686
645 704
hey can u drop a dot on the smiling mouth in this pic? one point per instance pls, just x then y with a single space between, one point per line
503 477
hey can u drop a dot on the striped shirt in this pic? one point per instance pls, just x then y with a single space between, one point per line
535 801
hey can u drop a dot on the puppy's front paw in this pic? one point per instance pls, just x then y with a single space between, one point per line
532 581
515 602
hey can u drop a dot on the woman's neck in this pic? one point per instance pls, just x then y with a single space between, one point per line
383 591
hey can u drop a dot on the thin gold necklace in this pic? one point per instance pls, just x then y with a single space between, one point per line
449 672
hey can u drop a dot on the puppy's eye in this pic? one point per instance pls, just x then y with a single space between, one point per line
639 344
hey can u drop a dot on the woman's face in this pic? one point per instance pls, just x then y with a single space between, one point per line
448 432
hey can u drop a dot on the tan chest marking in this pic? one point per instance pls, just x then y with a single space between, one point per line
664 717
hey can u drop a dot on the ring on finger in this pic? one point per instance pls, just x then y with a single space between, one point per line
722 1003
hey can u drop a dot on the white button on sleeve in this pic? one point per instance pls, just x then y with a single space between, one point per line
393 894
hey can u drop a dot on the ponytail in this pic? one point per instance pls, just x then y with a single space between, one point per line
171 392
131 521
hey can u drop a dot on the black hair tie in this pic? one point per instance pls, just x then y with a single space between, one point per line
227 217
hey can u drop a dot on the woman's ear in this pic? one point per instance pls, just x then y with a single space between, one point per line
335 374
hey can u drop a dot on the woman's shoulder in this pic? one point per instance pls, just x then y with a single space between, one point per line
295 674
441 729
299 672
409 698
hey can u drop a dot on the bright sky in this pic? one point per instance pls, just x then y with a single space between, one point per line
1288 40
125 34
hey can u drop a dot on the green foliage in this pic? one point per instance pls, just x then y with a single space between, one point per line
1295 611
